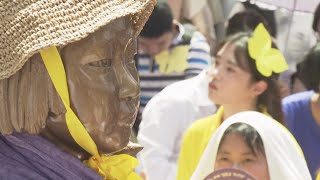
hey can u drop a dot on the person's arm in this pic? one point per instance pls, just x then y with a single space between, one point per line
205 24
199 55
175 6
159 130
289 111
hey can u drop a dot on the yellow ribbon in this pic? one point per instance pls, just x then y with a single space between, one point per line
260 49
173 61
119 167
115 167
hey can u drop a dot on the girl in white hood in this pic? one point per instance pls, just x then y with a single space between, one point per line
255 143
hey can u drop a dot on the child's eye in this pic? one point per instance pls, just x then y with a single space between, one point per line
246 161
223 159
229 69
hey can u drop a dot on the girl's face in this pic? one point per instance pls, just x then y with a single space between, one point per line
230 84
234 152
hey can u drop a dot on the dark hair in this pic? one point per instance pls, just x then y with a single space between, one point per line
270 99
316 18
267 14
245 21
250 135
308 71
32 82
159 22
293 78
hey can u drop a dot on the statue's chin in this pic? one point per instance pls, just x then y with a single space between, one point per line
114 142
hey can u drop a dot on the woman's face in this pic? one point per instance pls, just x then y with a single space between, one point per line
230 84
234 152
154 46
103 85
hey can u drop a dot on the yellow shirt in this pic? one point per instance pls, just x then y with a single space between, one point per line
318 176
194 143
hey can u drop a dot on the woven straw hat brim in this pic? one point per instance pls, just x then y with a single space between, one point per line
27 26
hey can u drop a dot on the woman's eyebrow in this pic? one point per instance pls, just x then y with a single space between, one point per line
232 62
247 153
223 152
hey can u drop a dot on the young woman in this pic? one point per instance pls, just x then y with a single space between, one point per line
242 80
257 144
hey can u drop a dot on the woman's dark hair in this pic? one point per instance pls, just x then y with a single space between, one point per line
250 135
270 99
293 78
159 22
316 18
308 71
246 21
267 14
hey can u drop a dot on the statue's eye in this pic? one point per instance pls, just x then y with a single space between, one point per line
101 63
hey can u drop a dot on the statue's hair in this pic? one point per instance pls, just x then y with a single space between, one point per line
26 99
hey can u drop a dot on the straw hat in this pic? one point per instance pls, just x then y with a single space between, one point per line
27 26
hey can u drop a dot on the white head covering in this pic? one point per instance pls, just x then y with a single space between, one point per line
284 156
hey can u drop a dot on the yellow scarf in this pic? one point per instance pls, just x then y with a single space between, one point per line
119 167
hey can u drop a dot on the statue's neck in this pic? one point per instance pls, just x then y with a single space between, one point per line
72 148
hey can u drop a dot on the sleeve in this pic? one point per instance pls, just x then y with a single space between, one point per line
289 113
186 160
159 130
199 55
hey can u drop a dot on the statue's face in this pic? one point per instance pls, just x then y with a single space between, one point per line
103 85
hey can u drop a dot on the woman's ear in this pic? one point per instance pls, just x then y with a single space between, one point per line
259 87
174 26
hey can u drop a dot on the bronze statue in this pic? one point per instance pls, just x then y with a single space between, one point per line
96 41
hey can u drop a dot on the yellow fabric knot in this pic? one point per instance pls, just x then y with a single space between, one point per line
116 167
174 60
260 49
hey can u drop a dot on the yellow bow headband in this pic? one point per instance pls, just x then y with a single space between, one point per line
260 49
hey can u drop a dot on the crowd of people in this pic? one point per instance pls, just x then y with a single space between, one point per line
132 90
247 64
